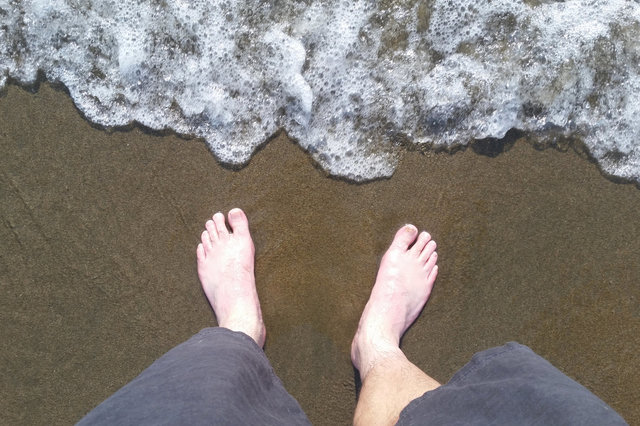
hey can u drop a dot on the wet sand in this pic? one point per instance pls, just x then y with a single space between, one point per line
98 278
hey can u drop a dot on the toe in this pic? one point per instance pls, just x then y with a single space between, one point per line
432 276
200 254
427 251
221 227
431 263
405 236
422 241
211 229
206 240
238 222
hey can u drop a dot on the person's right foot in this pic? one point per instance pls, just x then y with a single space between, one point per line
403 285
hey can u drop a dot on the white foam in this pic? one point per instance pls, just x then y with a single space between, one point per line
347 79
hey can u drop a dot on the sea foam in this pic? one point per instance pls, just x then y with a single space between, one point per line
355 82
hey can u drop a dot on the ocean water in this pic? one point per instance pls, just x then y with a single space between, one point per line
355 82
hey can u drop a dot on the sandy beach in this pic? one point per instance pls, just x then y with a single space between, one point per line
98 274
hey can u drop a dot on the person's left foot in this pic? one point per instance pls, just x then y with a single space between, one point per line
225 269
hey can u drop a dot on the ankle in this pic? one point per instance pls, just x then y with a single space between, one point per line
253 328
370 351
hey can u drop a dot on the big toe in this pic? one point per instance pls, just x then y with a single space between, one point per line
405 236
239 222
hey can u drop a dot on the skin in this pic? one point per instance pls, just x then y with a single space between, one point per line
226 272
403 285
405 278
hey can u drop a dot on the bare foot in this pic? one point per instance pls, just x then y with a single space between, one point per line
225 269
402 287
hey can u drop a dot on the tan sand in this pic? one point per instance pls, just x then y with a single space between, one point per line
97 263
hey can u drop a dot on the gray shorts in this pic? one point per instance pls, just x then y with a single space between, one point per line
222 377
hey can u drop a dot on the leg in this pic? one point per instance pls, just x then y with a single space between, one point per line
509 385
403 285
220 375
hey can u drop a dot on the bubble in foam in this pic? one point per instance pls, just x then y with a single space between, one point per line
347 79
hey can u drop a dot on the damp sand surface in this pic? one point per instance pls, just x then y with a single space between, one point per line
98 278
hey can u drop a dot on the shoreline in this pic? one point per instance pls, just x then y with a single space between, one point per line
98 277
489 147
